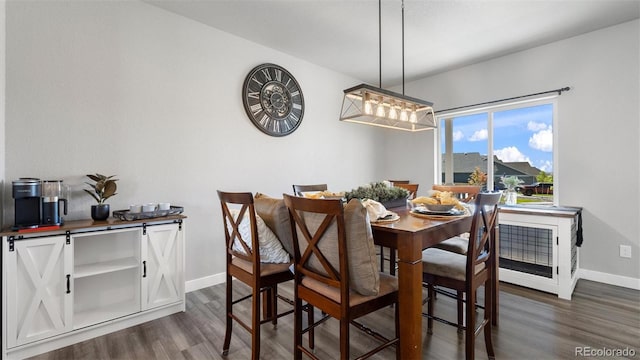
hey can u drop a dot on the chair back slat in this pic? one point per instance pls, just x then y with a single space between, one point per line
481 241
234 237
312 222
464 193
396 182
411 188
299 189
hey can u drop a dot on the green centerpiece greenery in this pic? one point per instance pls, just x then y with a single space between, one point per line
381 191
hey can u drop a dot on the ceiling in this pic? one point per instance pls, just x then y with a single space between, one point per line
440 35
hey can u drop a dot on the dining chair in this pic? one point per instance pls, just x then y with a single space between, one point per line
336 271
466 273
465 194
411 188
243 263
299 189
395 182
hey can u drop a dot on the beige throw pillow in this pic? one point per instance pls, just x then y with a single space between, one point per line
271 250
276 215
364 276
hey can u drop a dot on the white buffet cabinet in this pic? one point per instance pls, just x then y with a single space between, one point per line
88 279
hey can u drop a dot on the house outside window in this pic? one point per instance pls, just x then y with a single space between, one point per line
519 138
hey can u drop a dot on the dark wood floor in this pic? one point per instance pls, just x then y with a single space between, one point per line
533 325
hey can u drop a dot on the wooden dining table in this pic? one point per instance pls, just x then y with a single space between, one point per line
409 236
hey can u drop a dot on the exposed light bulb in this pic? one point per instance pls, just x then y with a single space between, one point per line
413 118
368 109
380 112
393 113
403 114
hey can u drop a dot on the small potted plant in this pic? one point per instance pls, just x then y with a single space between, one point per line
103 188
510 182
477 177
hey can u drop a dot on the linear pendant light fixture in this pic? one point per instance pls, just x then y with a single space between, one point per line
366 104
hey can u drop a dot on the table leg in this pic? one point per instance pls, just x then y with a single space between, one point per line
410 296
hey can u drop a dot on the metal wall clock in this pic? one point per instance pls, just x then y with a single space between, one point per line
273 100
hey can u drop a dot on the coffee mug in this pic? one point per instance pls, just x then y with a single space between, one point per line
149 207
135 208
164 206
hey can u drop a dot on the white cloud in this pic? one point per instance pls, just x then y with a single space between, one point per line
536 126
479 135
546 166
542 140
511 154
458 135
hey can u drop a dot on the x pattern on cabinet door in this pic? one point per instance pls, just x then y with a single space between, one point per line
161 249
41 289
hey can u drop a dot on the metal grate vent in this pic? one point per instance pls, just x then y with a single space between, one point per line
526 249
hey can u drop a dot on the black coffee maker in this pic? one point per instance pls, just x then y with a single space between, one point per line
38 203
53 193
27 193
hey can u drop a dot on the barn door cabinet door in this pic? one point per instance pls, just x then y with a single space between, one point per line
39 298
162 265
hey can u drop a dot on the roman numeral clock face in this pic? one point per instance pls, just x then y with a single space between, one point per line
273 100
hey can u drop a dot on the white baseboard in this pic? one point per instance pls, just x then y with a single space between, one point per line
203 282
617 280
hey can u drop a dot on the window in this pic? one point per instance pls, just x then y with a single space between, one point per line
519 137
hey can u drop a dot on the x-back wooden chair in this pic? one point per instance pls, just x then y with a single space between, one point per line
466 273
247 268
323 282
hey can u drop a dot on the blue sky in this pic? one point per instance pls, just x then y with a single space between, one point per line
524 134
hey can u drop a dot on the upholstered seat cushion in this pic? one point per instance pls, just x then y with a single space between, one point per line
446 263
388 284
364 276
276 215
458 245
265 268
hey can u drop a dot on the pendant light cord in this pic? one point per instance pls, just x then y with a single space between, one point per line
402 47
380 44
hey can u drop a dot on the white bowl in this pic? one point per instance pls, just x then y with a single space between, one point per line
439 207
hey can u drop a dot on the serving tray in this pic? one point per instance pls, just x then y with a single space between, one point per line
126 215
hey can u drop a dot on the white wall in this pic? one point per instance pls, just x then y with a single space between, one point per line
2 105
598 130
127 88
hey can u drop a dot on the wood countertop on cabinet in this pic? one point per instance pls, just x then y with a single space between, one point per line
89 225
